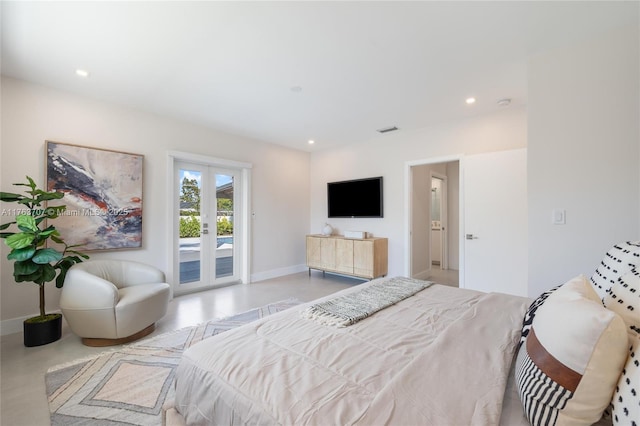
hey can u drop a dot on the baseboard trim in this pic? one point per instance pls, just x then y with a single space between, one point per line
14 325
280 272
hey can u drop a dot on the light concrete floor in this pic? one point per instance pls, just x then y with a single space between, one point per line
22 396
444 276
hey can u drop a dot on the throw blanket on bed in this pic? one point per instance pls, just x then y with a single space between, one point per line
348 309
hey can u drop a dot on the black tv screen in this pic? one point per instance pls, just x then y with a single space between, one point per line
355 198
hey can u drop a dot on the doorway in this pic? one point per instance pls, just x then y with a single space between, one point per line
210 224
434 221
207 246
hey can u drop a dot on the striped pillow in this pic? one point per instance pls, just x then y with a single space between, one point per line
567 369
531 313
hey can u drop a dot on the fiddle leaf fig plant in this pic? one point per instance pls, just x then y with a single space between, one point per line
33 261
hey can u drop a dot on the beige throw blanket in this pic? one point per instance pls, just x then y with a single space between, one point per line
345 310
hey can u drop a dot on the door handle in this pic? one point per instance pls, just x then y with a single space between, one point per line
471 237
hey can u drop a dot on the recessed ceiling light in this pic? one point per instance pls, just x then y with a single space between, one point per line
296 89
82 73
311 141
470 101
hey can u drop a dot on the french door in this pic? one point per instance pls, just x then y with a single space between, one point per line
208 203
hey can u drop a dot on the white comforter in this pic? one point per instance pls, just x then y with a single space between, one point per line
440 357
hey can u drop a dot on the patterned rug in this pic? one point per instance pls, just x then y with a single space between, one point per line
128 386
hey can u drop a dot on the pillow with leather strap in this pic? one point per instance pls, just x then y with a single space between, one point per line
568 367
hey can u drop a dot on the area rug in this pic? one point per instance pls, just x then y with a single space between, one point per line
128 386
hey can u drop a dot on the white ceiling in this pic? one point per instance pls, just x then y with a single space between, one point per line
361 66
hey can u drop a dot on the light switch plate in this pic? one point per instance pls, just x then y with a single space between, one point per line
559 217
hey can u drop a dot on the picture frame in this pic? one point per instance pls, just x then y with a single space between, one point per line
103 194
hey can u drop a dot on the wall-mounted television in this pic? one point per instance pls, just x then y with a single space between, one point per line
355 198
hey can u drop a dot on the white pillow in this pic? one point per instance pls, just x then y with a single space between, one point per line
617 262
569 365
624 298
626 399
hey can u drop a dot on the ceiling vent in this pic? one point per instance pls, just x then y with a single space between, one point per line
387 129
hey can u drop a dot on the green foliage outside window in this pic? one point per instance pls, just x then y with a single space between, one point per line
190 194
225 227
225 205
189 227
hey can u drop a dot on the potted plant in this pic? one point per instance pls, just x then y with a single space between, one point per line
33 260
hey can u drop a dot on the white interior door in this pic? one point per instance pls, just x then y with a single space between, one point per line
495 222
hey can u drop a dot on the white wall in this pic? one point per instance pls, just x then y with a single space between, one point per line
581 127
32 114
584 144
387 156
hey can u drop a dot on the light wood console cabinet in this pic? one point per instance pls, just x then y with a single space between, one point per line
364 258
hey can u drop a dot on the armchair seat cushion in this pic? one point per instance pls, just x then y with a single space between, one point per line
140 304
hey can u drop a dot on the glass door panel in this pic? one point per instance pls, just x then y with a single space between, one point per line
190 245
224 223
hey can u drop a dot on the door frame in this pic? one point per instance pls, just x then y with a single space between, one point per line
408 219
174 157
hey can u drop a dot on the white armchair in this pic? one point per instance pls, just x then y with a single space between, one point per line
109 302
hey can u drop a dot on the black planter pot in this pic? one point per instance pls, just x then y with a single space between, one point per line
42 333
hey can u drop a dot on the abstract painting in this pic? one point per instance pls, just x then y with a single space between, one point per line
102 192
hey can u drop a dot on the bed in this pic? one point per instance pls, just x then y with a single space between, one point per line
440 356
